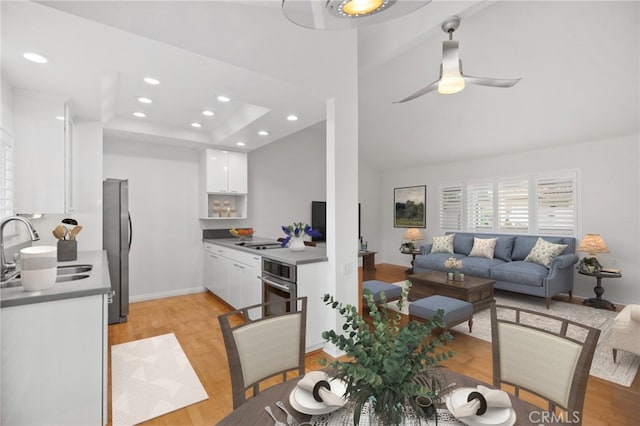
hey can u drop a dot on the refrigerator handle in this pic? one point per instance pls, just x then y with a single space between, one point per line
130 230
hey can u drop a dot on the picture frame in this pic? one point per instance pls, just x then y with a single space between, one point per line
410 207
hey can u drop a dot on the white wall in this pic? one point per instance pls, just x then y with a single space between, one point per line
371 206
284 177
166 252
609 202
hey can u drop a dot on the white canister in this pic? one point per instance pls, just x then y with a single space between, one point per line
38 266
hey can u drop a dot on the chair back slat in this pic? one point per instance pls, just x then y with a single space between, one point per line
543 354
258 349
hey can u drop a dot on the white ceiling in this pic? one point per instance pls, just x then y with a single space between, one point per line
578 62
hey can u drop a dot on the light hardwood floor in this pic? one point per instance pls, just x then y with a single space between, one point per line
193 319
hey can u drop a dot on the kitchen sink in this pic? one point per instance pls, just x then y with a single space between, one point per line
73 269
65 273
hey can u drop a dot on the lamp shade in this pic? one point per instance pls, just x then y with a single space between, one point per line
412 234
593 243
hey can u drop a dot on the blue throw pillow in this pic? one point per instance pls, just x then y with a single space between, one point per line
503 249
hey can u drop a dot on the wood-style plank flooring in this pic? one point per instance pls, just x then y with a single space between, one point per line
193 319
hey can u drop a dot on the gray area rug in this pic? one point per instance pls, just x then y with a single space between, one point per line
623 372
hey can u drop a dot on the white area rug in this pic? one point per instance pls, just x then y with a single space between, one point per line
623 372
149 378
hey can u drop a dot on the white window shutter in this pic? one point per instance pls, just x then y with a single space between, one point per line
556 204
480 207
451 208
513 205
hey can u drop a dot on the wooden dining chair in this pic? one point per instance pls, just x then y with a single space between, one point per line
545 355
258 349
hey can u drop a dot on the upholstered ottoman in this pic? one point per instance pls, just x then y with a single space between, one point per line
391 292
455 311
626 331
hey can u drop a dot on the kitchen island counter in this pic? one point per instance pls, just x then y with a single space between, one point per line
309 255
98 282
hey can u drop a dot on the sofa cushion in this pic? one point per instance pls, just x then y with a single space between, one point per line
504 247
543 252
479 266
435 261
527 273
524 243
462 244
483 247
455 310
443 244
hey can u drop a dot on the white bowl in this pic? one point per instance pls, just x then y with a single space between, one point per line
38 267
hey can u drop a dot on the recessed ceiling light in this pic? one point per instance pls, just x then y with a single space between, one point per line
34 57
263 133
60 117
223 98
240 143
208 113
196 125
144 100
292 117
140 114
152 81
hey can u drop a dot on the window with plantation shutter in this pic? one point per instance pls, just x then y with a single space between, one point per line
6 174
480 207
555 200
544 204
513 205
451 208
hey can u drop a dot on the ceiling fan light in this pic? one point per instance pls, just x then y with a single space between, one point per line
361 7
450 85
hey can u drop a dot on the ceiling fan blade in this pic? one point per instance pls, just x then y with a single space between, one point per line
430 88
491 82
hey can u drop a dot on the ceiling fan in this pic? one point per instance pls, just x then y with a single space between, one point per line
452 80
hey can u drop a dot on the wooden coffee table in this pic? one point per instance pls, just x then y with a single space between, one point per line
475 290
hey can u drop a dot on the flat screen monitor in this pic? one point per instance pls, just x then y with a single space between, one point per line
319 219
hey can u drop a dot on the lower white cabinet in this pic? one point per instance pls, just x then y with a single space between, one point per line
233 275
54 367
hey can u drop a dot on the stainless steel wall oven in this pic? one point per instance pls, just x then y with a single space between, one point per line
278 285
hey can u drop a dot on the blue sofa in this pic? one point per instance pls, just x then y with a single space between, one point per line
508 268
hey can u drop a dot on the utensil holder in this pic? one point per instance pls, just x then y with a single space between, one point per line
67 250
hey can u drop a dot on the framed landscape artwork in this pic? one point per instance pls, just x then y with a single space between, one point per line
409 205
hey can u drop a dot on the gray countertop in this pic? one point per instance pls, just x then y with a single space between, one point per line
98 282
309 255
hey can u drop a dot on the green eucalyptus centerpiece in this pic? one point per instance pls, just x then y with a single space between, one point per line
386 359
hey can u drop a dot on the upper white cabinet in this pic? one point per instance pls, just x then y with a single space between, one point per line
223 181
43 153
226 172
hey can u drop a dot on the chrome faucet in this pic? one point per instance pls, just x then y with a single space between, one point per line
9 267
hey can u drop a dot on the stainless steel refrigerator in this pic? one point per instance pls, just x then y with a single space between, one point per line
116 240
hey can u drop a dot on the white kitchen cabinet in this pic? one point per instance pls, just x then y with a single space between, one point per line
54 368
234 276
223 184
313 283
43 153
226 171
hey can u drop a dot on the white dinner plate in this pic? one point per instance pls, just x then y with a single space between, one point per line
303 401
493 416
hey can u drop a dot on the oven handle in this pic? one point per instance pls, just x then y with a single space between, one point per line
276 285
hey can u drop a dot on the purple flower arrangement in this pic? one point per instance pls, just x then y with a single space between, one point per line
299 229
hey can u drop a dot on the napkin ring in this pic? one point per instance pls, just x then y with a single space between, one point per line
483 402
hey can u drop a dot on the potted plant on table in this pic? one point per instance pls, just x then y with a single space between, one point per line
388 365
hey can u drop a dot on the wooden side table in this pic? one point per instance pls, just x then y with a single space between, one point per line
598 301
368 264
413 254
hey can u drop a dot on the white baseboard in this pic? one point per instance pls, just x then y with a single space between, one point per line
172 293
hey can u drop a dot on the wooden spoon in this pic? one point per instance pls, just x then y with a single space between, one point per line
75 231
58 232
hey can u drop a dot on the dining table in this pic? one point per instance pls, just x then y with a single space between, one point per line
252 412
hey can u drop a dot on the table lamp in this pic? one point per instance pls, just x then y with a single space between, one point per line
413 235
593 244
